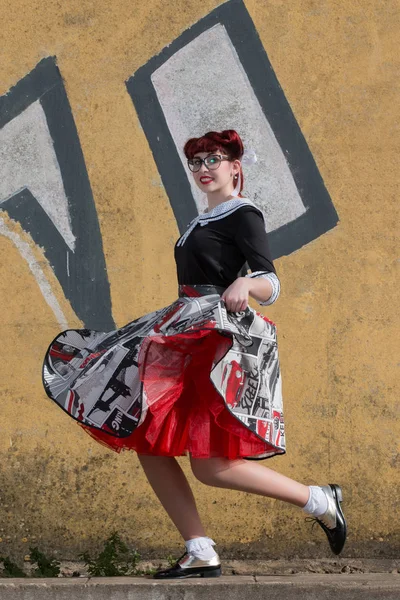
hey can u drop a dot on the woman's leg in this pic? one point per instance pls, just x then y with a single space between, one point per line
173 490
252 477
248 476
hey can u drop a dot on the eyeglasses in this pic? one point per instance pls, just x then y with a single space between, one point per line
212 162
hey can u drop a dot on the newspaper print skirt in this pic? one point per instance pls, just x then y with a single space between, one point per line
191 377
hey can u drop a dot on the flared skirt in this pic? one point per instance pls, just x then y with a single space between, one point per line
190 378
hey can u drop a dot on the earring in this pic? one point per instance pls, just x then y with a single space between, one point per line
236 191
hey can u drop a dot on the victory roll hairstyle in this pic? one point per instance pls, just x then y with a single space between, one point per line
227 141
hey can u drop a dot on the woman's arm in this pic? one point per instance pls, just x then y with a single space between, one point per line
264 285
251 238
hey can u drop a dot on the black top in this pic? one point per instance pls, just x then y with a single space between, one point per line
216 253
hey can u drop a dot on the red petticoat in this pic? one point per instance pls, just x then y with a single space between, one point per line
185 412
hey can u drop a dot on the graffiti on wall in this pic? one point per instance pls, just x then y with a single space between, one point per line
216 76
45 187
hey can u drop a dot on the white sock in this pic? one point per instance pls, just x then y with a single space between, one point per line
201 547
317 503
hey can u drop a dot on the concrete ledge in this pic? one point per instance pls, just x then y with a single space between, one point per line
269 567
372 586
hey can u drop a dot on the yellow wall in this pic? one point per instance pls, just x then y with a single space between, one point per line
338 312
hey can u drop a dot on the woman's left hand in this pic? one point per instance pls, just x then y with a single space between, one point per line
236 296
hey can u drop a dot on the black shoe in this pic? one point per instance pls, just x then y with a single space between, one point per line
190 566
333 521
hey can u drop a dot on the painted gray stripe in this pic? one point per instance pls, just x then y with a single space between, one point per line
28 161
154 110
45 187
190 108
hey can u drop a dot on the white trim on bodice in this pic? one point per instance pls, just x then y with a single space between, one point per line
218 212
274 281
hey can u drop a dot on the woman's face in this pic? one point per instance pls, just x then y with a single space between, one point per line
216 180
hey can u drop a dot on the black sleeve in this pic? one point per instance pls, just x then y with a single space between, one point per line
252 239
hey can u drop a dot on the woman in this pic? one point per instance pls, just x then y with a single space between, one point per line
201 376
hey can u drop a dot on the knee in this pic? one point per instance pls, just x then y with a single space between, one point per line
202 474
205 470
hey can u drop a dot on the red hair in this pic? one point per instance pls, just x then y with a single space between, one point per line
228 141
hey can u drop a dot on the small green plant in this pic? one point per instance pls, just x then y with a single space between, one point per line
116 559
10 569
46 567
171 560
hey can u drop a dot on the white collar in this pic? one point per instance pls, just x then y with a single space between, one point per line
218 212
224 207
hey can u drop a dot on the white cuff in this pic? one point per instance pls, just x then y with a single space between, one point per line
273 279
